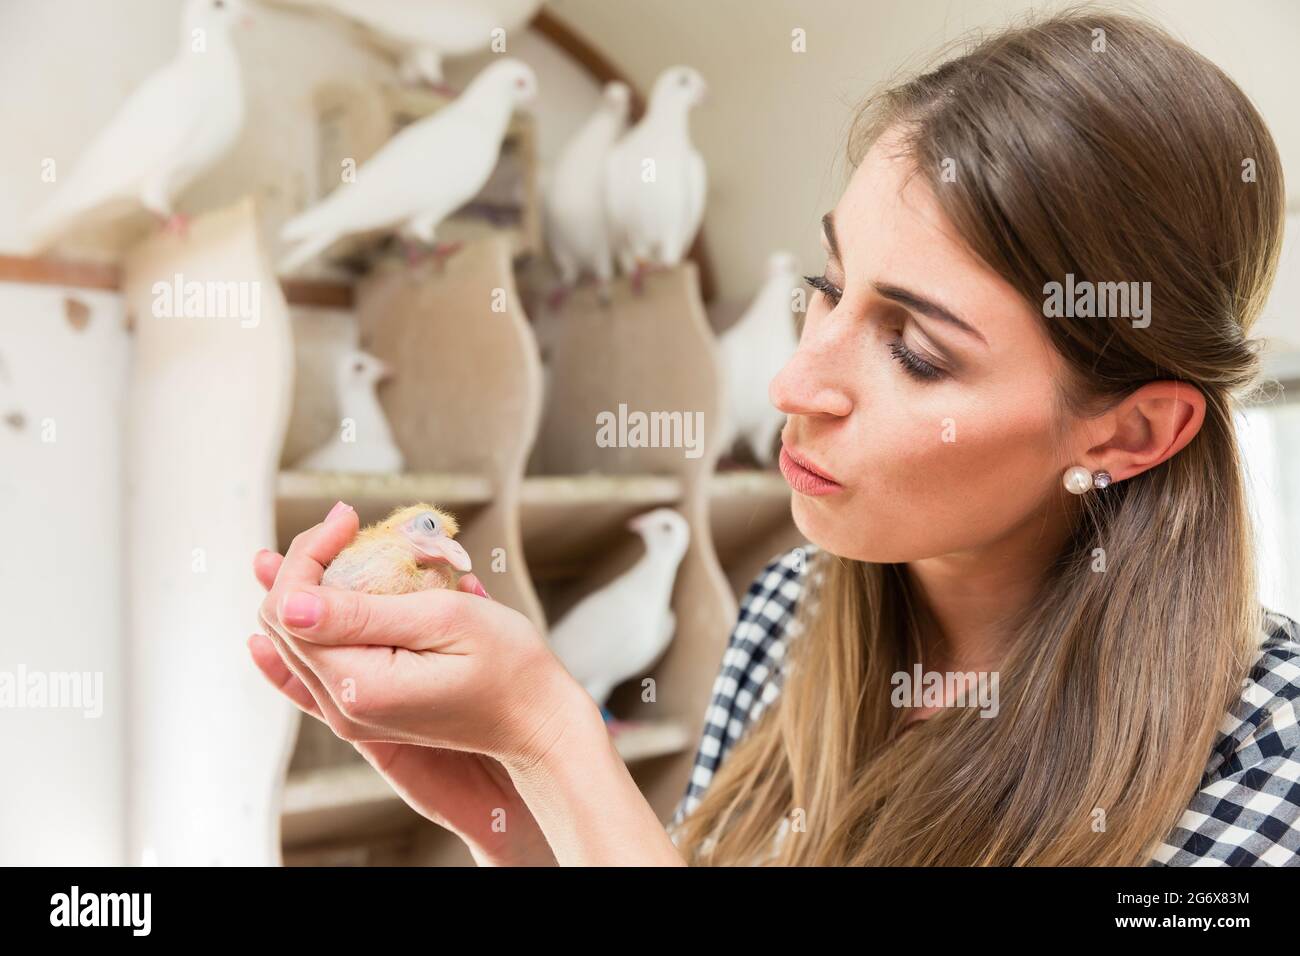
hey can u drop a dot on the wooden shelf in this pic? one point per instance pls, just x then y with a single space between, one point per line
107 277
645 740
744 506
569 521
749 512
540 491
351 800
304 497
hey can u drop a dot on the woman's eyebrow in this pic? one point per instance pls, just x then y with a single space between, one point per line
911 300
828 230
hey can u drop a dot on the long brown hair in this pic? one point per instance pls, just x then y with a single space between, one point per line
1112 155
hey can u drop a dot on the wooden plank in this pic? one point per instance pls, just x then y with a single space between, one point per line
60 272
106 276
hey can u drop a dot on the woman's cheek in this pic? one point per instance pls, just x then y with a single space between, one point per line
956 482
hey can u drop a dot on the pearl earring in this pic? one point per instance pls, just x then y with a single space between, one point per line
1079 480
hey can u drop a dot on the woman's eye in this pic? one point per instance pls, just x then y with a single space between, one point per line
915 366
823 285
912 363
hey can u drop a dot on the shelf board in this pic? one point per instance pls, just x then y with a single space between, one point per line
567 520
42 270
643 740
107 277
326 803
746 507
350 798
304 497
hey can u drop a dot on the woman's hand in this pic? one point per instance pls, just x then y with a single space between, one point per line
451 670
437 668
469 794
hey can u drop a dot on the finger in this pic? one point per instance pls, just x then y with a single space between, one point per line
272 666
313 549
421 620
266 565
471 584
315 686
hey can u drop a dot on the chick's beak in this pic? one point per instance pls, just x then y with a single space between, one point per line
445 549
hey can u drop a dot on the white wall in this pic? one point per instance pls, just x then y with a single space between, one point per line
62 586
774 128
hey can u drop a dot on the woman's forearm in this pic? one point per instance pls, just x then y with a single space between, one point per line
587 804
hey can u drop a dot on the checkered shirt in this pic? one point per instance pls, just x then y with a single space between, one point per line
1246 811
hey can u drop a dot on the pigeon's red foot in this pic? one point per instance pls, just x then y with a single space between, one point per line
444 251
556 298
643 269
415 253
637 281
175 225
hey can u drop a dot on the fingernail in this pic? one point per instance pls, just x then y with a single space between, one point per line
480 590
301 609
338 509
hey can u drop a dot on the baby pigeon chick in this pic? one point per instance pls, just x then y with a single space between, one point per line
410 550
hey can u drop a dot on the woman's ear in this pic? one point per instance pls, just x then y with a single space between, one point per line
1147 427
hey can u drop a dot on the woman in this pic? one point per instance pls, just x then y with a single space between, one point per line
1010 438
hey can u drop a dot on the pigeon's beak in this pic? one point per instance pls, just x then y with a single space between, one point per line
445 549
636 524
385 372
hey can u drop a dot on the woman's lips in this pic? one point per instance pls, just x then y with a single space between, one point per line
803 478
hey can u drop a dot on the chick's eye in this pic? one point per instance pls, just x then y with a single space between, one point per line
428 525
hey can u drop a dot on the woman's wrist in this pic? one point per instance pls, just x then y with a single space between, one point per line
534 851
584 799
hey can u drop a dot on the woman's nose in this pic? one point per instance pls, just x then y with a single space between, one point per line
808 384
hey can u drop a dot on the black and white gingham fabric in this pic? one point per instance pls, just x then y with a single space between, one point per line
1245 813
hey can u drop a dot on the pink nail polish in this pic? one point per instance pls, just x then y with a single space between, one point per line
480 590
301 609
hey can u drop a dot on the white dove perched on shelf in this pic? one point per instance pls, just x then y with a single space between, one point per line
752 352
654 221
424 173
173 128
364 442
620 631
577 227
422 32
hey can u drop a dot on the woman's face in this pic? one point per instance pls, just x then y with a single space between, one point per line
923 385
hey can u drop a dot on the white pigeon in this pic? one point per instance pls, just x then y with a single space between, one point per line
173 128
365 442
424 173
655 179
422 32
620 631
577 228
752 352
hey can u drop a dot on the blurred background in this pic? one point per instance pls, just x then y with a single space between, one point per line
209 332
